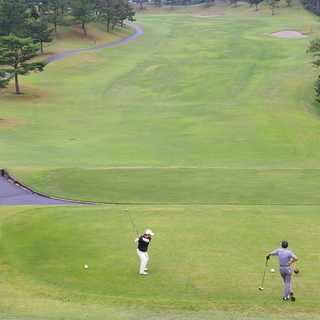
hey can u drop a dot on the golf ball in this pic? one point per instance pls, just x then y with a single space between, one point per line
86 266
272 270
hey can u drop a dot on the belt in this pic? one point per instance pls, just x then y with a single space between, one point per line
284 266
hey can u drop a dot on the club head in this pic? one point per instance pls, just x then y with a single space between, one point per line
261 288
125 209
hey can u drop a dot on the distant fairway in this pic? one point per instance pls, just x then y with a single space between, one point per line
217 92
207 130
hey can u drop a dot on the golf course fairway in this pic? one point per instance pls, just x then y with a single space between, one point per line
206 128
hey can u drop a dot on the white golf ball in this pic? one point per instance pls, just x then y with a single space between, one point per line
272 270
86 266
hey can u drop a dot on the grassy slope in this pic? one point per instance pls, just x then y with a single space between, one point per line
232 97
268 120
182 185
72 38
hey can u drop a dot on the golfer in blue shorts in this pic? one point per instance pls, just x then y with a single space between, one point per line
286 259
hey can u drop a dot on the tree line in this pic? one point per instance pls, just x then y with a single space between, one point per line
314 49
312 6
25 26
272 4
23 18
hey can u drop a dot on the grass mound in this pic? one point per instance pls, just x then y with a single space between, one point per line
228 186
199 258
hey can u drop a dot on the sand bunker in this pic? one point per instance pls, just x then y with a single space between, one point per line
288 34
213 15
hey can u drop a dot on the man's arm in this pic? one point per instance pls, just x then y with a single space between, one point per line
137 240
292 261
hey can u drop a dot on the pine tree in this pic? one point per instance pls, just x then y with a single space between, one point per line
14 52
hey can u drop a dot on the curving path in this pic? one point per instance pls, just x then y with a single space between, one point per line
12 192
138 33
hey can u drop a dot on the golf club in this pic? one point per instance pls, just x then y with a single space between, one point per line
126 210
264 273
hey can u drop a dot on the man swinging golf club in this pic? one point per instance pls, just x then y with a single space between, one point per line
143 243
285 262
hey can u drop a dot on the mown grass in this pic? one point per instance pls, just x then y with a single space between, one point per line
234 186
181 116
204 259
73 38
223 94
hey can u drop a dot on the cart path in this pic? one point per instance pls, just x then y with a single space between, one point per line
138 33
12 192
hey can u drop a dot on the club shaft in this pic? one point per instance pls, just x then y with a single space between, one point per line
264 273
135 228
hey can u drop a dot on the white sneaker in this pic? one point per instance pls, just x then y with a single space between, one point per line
144 273
146 269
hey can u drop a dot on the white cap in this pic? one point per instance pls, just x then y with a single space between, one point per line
149 232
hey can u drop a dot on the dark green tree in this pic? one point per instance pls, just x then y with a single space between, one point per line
255 2
107 11
209 1
55 12
4 81
314 48
125 12
235 2
114 11
317 88
39 31
34 13
14 52
83 11
272 6
140 2
13 15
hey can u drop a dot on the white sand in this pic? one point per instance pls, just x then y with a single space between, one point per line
289 34
213 15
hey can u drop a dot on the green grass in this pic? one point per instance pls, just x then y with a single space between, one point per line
170 125
180 185
218 253
72 38
222 94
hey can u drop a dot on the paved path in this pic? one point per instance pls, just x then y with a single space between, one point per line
15 194
138 33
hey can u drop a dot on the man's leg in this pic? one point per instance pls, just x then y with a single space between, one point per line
288 283
144 259
147 257
286 276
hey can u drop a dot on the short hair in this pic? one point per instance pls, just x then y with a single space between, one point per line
284 244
